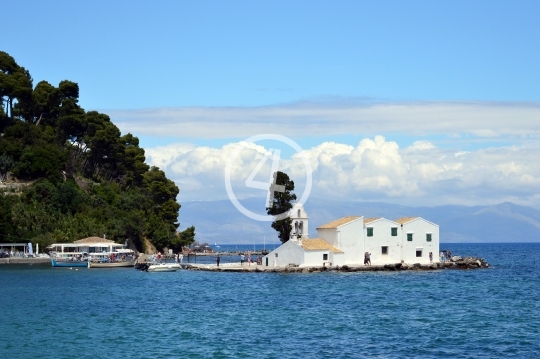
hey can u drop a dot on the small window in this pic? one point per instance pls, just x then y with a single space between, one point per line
298 213
325 257
428 237
276 254
384 250
370 232
394 232
419 253
409 237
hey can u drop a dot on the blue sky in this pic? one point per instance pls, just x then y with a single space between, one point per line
142 54
210 65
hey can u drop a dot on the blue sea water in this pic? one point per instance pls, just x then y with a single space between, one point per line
100 313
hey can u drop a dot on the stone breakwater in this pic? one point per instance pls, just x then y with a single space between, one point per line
454 263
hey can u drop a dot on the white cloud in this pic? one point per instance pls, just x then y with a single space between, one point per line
481 119
375 169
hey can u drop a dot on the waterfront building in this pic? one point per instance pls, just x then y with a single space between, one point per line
87 245
345 241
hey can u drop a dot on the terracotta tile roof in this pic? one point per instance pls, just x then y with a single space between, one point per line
404 220
368 220
93 240
317 244
338 222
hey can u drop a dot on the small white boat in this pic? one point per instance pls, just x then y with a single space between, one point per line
163 267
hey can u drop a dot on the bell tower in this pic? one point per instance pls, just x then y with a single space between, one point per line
299 221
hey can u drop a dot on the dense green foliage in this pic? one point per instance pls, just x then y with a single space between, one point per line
282 203
88 179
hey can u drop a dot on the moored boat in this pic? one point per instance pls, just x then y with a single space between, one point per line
163 267
119 258
69 260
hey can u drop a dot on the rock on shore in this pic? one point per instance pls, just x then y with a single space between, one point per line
454 263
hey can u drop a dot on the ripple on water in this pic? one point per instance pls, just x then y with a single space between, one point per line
52 312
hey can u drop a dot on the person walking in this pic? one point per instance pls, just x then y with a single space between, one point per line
430 257
242 259
368 258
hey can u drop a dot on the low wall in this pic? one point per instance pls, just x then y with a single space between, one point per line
20 260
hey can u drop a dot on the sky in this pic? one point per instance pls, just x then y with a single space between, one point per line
409 102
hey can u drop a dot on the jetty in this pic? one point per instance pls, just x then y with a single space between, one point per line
459 263
23 260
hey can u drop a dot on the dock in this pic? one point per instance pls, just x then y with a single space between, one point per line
22 260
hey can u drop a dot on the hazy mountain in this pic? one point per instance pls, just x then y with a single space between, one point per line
220 222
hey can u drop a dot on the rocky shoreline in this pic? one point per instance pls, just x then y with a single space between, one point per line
457 262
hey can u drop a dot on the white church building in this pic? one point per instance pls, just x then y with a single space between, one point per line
346 240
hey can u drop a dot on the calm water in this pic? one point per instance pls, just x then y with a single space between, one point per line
97 313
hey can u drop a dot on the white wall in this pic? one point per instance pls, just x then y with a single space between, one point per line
287 253
382 236
329 235
419 227
315 258
337 259
351 241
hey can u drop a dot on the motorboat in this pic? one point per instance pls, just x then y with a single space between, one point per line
163 267
155 266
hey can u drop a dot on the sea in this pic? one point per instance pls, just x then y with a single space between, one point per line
50 312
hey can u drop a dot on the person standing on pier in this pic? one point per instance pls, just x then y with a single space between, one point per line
430 257
218 259
242 259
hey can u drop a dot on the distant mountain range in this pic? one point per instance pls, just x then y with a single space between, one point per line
220 222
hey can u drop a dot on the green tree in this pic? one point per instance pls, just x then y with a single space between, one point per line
183 239
6 162
15 85
46 100
90 179
282 203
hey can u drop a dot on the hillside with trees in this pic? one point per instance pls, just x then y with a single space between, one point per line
82 176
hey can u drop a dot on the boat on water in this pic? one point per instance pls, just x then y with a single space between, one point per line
92 252
163 267
69 259
118 258
153 265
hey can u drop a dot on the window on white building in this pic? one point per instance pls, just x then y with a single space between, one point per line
428 237
409 237
276 254
394 231
384 250
325 256
370 232
419 253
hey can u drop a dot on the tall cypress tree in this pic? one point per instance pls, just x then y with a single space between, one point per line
282 202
